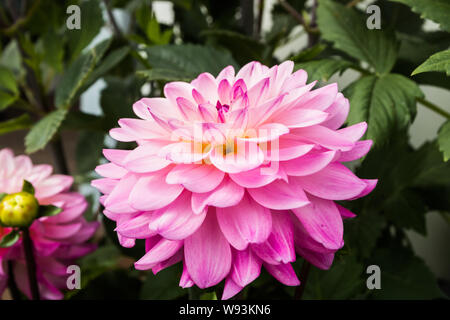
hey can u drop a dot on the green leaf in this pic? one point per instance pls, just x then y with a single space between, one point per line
27 187
21 122
309 54
110 61
404 276
165 75
386 103
444 140
2 195
436 10
89 143
347 30
48 211
322 70
342 281
53 50
10 239
189 58
6 99
437 62
8 81
163 286
77 75
44 130
209 296
91 23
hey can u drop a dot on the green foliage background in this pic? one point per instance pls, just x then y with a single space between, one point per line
44 68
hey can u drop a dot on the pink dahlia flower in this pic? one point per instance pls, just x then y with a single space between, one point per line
57 240
235 172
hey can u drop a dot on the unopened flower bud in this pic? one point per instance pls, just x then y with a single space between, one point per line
18 209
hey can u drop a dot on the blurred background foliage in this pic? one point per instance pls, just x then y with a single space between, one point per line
45 68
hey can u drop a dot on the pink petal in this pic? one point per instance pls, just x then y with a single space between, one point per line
185 280
279 195
354 132
144 159
241 160
246 267
370 185
252 178
195 177
247 222
334 182
338 112
283 273
323 222
308 164
53 185
136 226
325 137
207 254
110 170
360 149
230 289
163 250
279 247
301 117
227 194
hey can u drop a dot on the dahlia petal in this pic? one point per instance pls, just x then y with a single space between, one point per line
110 170
195 177
308 164
288 147
185 280
206 84
162 107
246 267
354 132
320 260
177 257
370 185
279 247
242 160
360 149
295 80
345 213
334 182
230 289
207 254
338 112
301 117
319 99
136 227
105 185
322 220
151 192
163 250
53 185
227 73
117 200
226 194
325 137
252 178
283 273
279 195
247 222
177 221
144 159
57 232
182 152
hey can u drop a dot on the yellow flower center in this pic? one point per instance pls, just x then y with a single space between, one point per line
18 209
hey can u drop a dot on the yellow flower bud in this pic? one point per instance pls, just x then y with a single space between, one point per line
18 209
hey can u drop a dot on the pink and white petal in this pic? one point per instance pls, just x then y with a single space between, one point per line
279 195
301 117
360 149
60 232
354 132
185 280
177 221
338 112
144 159
334 182
177 257
283 273
207 254
288 147
226 74
53 185
116 156
253 178
310 163
248 156
319 99
295 80
151 192
320 260
117 200
136 226
230 289
370 185
227 194
325 137
323 222
196 177
279 247
247 222
246 267
163 250
206 84
111 170
105 185
183 152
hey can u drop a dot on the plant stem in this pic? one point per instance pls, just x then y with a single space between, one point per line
259 20
433 107
12 285
248 16
112 19
31 263
304 273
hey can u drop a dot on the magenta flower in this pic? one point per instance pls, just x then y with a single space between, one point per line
234 173
58 240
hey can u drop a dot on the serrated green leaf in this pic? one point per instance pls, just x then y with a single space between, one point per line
48 211
444 140
22 122
44 130
165 75
189 58
27 187
347 30
436 10
91 23
76 76
386 103
437 62
404 276
323 69
10 239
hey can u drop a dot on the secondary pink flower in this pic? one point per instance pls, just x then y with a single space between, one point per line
58 240
233 173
